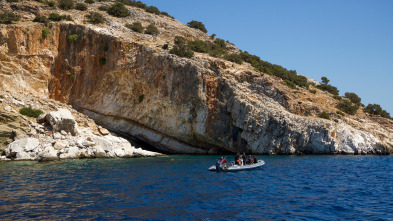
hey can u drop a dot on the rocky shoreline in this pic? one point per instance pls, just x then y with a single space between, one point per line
56 135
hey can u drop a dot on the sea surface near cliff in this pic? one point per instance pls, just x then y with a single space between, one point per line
181 188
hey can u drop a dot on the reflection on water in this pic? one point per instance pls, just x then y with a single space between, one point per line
180 187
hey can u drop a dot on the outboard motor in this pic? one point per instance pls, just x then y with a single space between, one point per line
218 166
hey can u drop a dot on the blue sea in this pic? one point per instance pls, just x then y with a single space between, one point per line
181 188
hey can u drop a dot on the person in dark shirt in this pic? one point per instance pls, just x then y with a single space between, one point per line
255 159
237 156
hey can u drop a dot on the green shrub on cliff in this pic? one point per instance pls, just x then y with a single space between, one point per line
153 10
30 112
234 58
182 50
217 52
89 1
376 109
41 19
45 32
141 5
136 26
8 18
95 18
325 80
66 4
324 115
12 0
337 97
137 4
104 8
197 25
118 10
57 17
220 43
273 69
51 4
347 107
198 46
329 88
179 40
353 97
152 30
290 84
72 38
81 6
73 78
166 14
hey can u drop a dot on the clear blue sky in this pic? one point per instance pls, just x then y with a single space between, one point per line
348 41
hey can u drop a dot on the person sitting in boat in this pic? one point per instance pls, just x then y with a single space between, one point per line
250 160
255 159
238 162
222 160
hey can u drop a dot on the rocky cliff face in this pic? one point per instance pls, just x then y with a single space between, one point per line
127 82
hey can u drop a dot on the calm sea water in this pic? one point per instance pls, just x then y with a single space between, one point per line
181 188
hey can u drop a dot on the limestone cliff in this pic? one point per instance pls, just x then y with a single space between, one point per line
129 83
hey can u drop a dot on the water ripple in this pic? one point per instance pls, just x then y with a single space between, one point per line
181 188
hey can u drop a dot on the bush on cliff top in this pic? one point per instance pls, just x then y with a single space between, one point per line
197 25
30 112
118 10
376 109
153 10
133 3
329 88
353 97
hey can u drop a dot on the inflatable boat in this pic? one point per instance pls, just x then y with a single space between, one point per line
231 167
